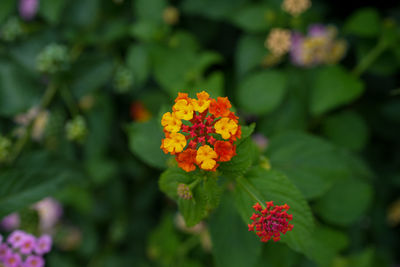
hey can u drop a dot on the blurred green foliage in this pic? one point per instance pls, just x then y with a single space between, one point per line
332 130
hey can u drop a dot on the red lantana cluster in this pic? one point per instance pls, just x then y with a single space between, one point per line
270 222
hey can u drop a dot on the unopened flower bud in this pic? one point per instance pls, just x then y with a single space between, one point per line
184 192
123 79
171 15
76 129
11 30
53 58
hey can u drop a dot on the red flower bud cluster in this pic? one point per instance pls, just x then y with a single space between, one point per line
270 222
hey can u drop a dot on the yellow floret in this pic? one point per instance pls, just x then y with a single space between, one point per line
226 127
202 102
174 143
183 109
171 123
206 157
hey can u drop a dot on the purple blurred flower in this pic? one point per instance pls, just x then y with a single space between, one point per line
1 239
316 30
28 8
43 244
50 212
13 260
28 244
10 222
4 251
296 51
34 261
260 140
16 238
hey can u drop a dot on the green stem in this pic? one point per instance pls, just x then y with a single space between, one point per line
69 101
364 64
44 103
195 183
249 190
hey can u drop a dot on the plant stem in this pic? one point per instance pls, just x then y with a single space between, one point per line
195 183
249 190
44 103
69 101
373 54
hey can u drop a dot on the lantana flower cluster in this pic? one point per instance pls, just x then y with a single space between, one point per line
200 132
24 250
270 222
319 46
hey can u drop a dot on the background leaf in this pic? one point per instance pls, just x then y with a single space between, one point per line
145 141
34 177
345 202
233 245
262 92
364 22
333 87
307 161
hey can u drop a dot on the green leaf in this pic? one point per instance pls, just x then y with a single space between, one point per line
195 209
163 243
262 92
345 202
336 128
334 87
182 67
219 10
364 22
82 13
138 60
260 185
18 89
311 163
246 154
33 177
91 73
233 245
206 194
51 10
213 84
251 18
249 54
332 238
247 131
211 192
7 6
290 116
145 141
171 178
149 9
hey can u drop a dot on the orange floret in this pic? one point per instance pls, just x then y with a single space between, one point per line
225 150
220 108
186 159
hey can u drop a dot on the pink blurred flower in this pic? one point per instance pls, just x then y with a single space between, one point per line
16 238
28 8
10 222
1 239
43 244
50 212
28 244
4 251
13 260
34 261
